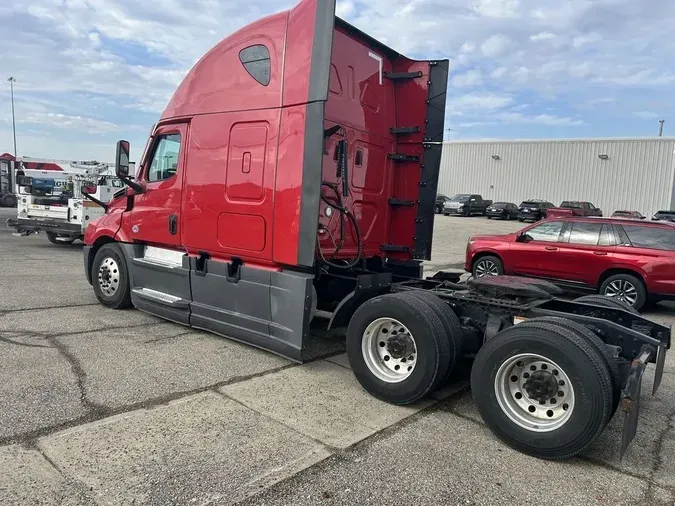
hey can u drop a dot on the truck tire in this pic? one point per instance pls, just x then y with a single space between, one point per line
396 346
514 381
8 200
605 301
110 277
626 288
595 341
56 239
453 329
488 265
466 212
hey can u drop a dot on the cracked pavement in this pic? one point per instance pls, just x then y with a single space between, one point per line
119 407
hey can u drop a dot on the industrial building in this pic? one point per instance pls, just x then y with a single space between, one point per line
632 174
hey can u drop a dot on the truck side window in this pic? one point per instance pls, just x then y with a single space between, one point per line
165 158
256 61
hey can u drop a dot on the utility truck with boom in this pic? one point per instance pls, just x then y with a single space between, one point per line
293 174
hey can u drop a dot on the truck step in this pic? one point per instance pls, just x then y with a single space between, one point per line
160 297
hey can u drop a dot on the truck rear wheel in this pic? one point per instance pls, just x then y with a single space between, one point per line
542 389
599 345
453 329
396 346
606 301
110 277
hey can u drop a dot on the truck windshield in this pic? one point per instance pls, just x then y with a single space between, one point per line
571 205
460 198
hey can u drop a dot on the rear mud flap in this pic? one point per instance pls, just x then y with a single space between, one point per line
630 394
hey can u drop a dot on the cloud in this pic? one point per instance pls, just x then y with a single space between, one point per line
540 119
646 115
470 78
89 71
495 45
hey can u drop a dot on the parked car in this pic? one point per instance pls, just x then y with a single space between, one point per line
580 208
533 209
633 261
466 204
664 216
440 201
503 210
633 215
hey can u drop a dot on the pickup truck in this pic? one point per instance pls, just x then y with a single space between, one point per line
574 208
466 204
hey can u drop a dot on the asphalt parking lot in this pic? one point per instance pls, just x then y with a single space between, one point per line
118 407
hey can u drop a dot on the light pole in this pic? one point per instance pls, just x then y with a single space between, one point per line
11 92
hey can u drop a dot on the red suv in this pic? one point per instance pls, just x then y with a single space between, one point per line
630 260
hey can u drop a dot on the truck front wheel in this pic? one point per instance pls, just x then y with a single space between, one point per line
397 348
110 277
542 389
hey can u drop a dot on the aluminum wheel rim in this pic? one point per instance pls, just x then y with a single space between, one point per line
523 402
109 276
389 350
486 268
622 290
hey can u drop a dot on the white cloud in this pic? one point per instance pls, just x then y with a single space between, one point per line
541 36
540 119
504 9
95 65
471 78
646 115
582 40
477 101
495 45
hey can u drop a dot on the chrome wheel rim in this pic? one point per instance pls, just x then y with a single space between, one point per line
389 350
109 276
534 392
486 268
622 290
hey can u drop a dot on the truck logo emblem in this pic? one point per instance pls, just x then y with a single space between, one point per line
378 58
134 229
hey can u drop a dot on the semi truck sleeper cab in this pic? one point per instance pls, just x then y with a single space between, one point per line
295 170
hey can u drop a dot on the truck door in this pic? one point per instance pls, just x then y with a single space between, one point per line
155 217
159 267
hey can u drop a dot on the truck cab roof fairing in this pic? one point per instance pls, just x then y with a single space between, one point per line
299 58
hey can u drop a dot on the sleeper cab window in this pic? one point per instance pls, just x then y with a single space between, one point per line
256 61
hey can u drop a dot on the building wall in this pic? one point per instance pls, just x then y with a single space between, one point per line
638 175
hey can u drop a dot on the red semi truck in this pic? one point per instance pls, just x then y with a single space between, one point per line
295 171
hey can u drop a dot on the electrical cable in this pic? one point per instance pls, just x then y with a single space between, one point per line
345 215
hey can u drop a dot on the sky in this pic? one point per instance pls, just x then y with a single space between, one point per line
89 72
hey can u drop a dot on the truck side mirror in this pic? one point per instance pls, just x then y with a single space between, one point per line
122 166
122 159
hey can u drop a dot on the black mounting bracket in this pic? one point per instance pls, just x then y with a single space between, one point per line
401 202
393 248
400 157
404 130
395 76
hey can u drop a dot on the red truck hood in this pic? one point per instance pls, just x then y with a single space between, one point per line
493 237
